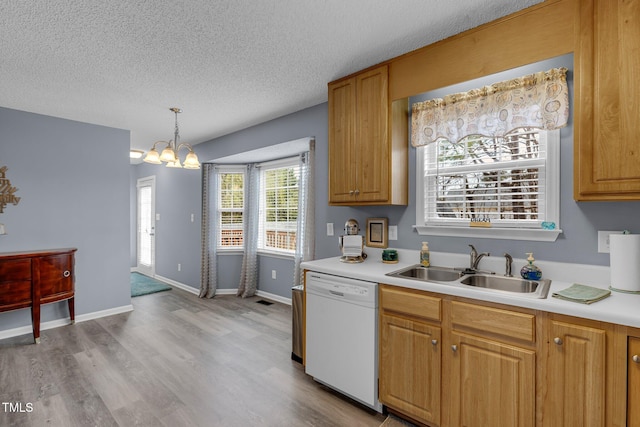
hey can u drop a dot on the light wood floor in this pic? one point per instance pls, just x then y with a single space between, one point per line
176 360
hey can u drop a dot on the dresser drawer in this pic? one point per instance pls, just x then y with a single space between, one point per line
15 269
410 302
14 293
491 320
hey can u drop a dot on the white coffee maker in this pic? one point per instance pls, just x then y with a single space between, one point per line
351 243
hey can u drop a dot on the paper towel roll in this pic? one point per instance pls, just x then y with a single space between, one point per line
625 262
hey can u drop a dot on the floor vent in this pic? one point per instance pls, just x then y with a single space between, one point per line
263 302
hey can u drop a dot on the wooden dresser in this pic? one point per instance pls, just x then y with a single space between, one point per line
33 278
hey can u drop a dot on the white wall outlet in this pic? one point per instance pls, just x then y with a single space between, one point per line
157 217
193 217
603 240
273 274
329 229
179 267
393 232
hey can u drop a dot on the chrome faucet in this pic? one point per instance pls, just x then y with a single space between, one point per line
509 260
475 258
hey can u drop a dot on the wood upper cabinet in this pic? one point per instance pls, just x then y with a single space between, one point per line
607 102
575 374
633 382
368 145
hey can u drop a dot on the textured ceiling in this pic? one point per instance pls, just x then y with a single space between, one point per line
228 64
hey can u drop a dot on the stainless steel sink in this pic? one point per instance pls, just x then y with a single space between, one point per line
428 274
531 288
480 281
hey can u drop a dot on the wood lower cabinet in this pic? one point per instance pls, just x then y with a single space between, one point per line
492 357
410 353
368 148
575 373
492 383
410 367
454 363
450 361
30 279
633 382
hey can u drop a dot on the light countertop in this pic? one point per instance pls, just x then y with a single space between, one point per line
620 308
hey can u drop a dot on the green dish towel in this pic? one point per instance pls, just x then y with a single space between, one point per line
582 294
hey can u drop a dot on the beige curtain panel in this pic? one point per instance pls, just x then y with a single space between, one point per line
539 100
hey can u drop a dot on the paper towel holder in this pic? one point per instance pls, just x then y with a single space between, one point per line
625 262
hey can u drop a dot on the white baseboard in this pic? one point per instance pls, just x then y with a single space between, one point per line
23 330
176 284
195 291
104 313
273 297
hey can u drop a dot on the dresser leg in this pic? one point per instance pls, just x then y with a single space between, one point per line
72 311
35 319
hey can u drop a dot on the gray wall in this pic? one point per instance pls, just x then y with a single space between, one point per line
579 221
73 180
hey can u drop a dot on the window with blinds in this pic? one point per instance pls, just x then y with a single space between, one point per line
279 206
230 209
504 180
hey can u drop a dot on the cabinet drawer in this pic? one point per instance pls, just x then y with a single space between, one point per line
493 320
15 269
14 293
410 302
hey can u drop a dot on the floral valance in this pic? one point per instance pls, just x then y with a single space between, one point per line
539 100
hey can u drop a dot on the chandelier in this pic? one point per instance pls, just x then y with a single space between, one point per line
169 154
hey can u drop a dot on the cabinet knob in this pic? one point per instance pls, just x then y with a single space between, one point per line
357 192
636 358
66 273
435 342
557 340
351 192
454 348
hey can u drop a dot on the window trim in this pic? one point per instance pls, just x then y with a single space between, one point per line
224 169
552 193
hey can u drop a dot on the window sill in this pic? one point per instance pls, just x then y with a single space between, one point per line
537 235
276 254
227 251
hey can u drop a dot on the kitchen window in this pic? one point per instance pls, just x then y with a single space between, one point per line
488 160
230 208
278 219
510 182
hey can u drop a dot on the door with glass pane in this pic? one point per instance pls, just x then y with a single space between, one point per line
146 228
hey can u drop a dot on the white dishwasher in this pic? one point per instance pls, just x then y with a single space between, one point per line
342 335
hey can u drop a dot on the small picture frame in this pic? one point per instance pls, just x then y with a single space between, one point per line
377 232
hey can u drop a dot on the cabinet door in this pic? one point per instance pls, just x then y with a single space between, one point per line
492 384
372 144
575 376
55 277
606 152
633 382
342 164
410 368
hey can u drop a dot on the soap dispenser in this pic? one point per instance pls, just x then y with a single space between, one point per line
424 255
531 271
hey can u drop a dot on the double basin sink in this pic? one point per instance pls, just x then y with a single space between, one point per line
487 282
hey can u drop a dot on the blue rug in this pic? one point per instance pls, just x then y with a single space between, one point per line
144 285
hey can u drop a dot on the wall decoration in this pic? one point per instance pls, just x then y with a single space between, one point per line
377 232
7 191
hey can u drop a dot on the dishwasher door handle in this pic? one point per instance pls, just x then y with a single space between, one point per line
340 294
